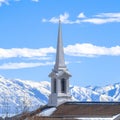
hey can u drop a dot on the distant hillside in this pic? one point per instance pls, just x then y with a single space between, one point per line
20 95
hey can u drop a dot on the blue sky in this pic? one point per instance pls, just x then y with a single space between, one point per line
28 36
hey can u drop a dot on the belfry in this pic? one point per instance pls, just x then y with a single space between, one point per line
59 76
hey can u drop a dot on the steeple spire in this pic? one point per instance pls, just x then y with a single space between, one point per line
60 62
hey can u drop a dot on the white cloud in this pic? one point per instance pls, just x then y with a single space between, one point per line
23 65
101 21
63 17
101 18
81 15
90 50
97 20
44 20
3 2
17 0
8 1
78 62
25 52
104 18
39 58
35 0
110 15
85 49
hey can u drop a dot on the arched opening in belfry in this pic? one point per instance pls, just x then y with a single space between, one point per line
54 86
63 85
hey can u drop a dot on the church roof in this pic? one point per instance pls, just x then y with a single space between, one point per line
87 109
77 110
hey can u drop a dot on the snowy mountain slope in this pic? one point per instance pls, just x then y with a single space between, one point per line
19 95
96 93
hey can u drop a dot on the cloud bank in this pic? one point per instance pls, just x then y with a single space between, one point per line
43 58
22 65
100 18
85 49
25 52
90 50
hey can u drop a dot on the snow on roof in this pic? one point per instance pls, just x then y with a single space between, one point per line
94 118
116 117
47 112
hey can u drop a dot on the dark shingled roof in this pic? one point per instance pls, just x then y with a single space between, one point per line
87 109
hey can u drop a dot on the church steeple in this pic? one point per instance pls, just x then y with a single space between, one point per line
59 76
60 62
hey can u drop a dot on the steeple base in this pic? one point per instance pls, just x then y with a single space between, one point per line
55 100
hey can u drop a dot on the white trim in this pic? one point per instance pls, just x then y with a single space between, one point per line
116 117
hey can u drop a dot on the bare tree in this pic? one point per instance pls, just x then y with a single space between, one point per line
25 103
6 106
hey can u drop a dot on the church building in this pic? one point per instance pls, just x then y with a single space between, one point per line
61 106
61 99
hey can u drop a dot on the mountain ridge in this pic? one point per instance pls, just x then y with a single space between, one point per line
18 95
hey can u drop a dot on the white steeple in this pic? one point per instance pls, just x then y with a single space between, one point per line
59 76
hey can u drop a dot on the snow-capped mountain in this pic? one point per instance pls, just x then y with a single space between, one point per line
107 93
18 95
